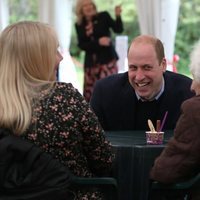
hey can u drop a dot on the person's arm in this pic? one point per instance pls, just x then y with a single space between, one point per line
95 146
180 158
116 25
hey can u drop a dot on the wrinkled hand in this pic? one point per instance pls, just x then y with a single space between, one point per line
118 10
104 41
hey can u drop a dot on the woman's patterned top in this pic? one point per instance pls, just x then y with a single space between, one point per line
64 125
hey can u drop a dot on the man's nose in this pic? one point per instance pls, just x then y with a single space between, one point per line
139 74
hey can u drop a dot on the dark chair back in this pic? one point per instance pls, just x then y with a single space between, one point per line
181 190
108 185
28 173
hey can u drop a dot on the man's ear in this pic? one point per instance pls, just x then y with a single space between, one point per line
164 64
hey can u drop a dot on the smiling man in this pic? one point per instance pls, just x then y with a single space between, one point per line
126 101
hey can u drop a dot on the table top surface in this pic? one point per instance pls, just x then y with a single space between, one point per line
130 138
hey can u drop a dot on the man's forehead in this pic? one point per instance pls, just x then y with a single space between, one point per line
141 48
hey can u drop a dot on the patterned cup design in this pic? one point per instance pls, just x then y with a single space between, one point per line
154 137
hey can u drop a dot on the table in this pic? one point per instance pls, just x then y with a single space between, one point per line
134 159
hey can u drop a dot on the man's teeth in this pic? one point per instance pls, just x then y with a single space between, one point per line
141 84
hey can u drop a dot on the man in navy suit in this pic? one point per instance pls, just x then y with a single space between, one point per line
147 91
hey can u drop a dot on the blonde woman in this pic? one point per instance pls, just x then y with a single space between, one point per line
94 37
52 115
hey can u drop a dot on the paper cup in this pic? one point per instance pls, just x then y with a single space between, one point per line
154 137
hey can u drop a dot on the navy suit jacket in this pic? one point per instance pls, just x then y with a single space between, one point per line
114 101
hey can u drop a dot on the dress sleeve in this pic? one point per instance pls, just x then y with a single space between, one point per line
180 160
96 148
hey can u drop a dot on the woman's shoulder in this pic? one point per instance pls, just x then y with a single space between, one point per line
195 99
192 104
64 88
63 93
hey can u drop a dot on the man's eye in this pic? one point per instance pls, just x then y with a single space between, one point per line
147 67
132 67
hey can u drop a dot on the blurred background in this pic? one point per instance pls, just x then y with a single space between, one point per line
188 31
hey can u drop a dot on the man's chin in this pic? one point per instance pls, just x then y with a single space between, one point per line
145 97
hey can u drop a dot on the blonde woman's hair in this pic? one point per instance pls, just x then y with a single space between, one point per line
27 60
79 9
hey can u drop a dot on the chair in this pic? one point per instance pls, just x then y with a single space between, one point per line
183 188
108 185
28 173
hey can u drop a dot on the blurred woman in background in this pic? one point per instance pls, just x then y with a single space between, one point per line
94 37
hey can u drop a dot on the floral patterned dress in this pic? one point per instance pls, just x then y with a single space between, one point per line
64 126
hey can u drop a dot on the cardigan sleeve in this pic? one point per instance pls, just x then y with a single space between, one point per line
116 25
180 159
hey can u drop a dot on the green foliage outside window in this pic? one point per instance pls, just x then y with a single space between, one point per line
188 32
22 10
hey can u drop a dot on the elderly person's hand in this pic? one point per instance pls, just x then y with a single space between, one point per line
118 10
